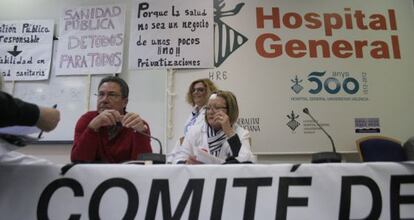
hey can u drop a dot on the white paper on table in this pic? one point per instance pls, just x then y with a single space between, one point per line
207 158
20 133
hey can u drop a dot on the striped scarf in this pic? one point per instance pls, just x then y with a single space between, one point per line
215 140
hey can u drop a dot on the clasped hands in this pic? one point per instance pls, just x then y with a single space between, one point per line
111 117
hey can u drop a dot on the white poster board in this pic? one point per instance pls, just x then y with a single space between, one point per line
171 34
357 82
91 40
25 49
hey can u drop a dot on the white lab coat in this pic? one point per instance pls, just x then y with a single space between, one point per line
199 120
197 138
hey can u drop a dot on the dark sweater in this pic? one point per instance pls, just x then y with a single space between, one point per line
17 112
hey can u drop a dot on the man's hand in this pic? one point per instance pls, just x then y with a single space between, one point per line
108 117
134 121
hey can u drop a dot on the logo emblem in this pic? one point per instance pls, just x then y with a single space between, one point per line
229 40
296 86
293 124
367 125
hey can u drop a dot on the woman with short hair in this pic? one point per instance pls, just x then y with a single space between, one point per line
218 139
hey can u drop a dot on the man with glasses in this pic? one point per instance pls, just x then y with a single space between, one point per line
110 134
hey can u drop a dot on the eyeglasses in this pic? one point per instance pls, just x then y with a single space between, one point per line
199 90
109 95
215 108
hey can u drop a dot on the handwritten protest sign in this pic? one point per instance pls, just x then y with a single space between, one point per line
91 40
171 34
25 49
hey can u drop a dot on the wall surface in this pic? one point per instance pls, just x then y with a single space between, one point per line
149 89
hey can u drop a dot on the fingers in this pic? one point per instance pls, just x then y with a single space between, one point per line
224 120
134 121
221 118
192 160
128 118
110 117
105 118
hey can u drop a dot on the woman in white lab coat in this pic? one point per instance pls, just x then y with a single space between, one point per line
197 96
218 139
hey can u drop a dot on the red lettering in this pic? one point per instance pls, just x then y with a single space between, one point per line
275 49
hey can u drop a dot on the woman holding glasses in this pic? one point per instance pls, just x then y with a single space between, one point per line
218 139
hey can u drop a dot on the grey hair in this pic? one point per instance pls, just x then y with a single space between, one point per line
119 81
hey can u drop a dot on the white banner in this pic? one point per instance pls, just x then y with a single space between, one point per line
25 49
91 40
309 191
171 34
